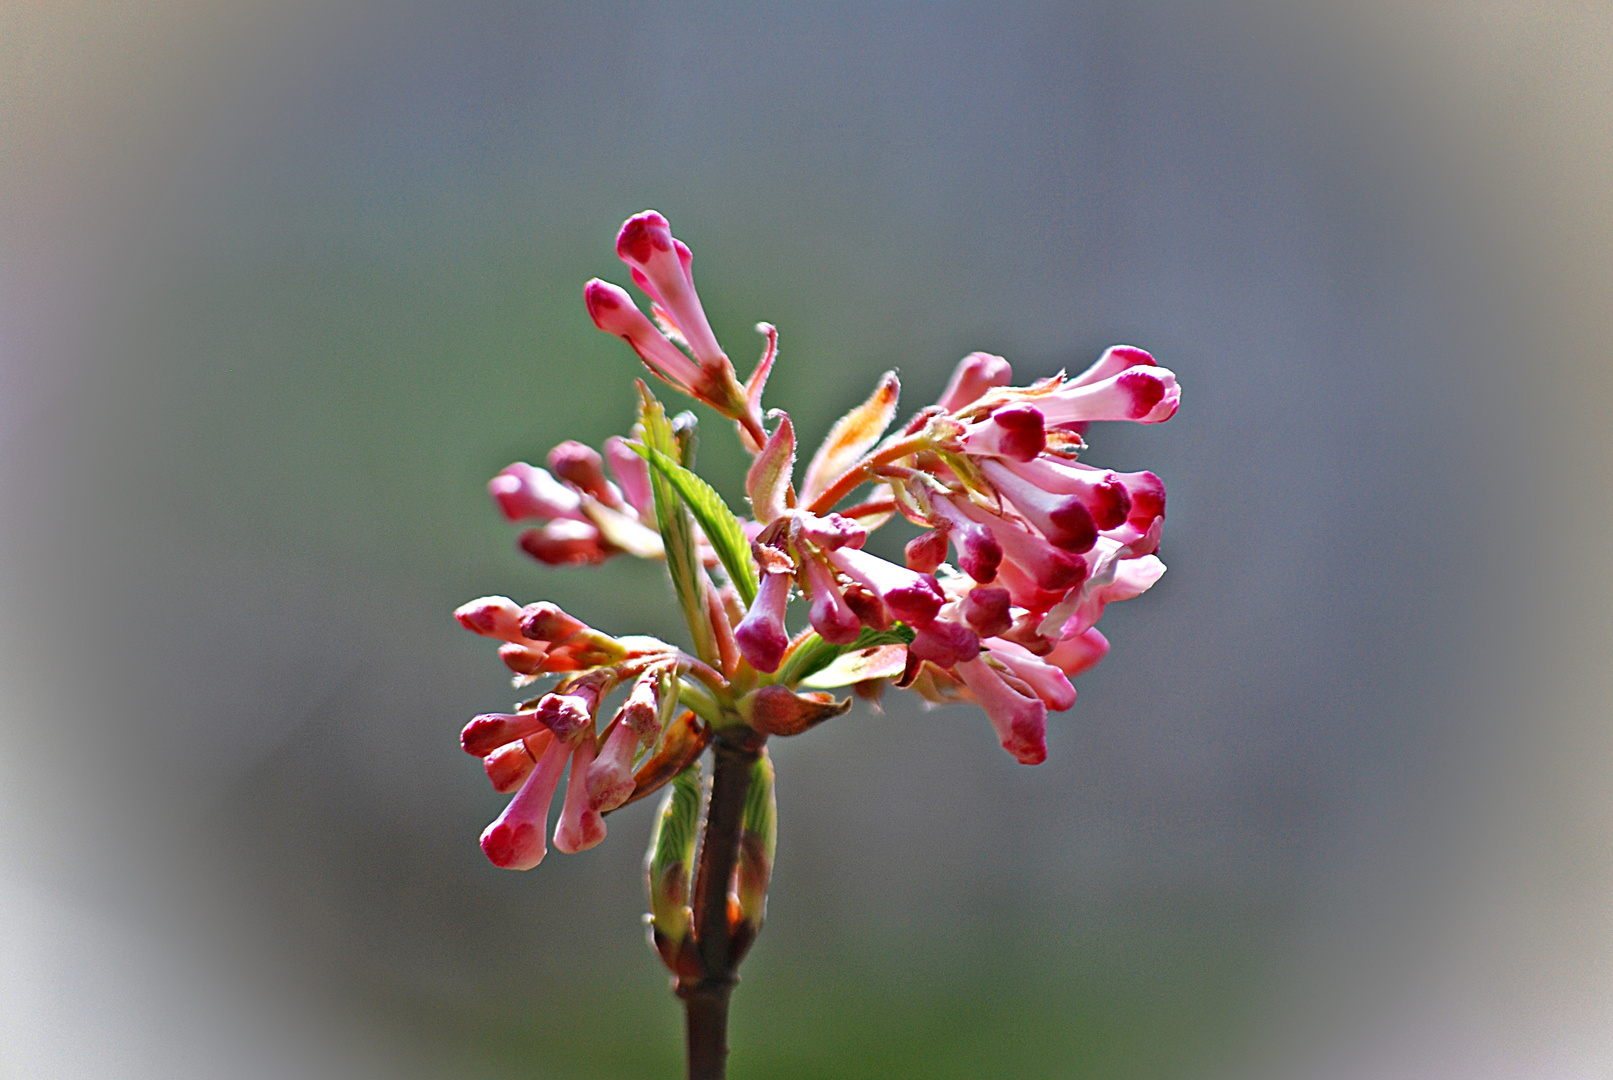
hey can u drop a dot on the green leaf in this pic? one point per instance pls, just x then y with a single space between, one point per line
677 528
722 528
858 665
814 654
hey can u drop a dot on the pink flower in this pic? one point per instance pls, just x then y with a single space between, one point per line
1020 719
975 374
661 266
614 312
761 635
1144 393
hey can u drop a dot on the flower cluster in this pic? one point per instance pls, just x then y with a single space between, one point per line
1022 544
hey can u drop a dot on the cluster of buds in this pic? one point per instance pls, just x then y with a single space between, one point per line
1022 544
525 752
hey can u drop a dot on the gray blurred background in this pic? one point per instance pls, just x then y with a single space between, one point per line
282 285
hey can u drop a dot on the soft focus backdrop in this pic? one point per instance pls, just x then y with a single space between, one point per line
282 285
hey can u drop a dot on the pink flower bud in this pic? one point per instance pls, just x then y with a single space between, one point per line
633 474
926 552
565 543
979 553
761 635
524 492
1013 431
830 617
1079 652
986 609
614 312
974 375
662 268
510 765
831 531
913 598
1115 359
580 826
945 643
491 616
515 839
490 731
582 468
1063 519
1103 493
526 659
570 713
1019 719
544 621
1147 493
1147 395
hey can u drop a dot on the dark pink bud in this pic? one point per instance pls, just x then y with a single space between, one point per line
974 375
565 543
1047 566
979 553
867 606
926 552
1147 494
832 531
614 312
1013 431
529 659
567 714
986 609
1103 493
761 636
524 493
583 468
945 643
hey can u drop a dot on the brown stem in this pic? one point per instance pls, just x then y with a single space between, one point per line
705 1002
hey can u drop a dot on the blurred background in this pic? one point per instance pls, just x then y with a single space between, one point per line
282 285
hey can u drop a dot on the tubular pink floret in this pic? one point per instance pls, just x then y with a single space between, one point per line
526 493
1016 432
1020 720
662 268
926 552
490 731
614 312
492 616
580 826
633 474
565 543
1063 519
986 609
761 635
979 553
974 375
583 468
544 621
1147 493
1102 492
911 597
829 614
566 714
1148 395
509 766
610 777
515 839
523 659
1046 680
1079 652
832 531
1115 359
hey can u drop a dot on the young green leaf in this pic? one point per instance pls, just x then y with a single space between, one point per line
722 528
671 858
677 529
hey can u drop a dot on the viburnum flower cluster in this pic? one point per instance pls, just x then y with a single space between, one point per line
1022 544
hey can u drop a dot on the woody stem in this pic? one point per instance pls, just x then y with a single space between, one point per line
705 1003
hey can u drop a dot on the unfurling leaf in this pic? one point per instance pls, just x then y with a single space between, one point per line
851 437
769 477
670 865
812 654
722 528
859 665
677 529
